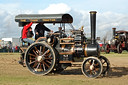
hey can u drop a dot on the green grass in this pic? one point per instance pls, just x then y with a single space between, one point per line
112 54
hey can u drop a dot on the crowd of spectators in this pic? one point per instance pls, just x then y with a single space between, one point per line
9 49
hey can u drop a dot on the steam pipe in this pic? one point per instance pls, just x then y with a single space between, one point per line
93 26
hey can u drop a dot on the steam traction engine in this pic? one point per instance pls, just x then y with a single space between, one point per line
118 43
55 53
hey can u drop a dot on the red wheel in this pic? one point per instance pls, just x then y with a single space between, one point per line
107 50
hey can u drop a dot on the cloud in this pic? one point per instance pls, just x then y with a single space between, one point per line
108 20
55 8
9 7
105 21
8 26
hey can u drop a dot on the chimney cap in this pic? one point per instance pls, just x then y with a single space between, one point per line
93 12
113 28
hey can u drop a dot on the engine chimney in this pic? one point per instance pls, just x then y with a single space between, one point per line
93 26
93 48
114 31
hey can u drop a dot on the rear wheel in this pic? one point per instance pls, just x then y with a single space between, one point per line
92 67
40 58
106 65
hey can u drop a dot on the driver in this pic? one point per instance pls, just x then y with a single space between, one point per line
62 34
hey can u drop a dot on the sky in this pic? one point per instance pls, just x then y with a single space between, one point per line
110 13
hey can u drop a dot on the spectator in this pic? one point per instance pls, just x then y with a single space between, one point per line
13 49
16 48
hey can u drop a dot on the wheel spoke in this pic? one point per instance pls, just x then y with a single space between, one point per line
45 52
89 62
32 62
38 66
87 66
44 67
96 64
31 55
50 58
94 72
32 58
35 64
96 69
103 62
40 50
48 61
90 72
46 64
48 55
35 53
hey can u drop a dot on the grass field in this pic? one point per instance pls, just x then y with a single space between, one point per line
11 73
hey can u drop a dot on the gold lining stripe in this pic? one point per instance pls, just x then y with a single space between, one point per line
85 50
65 61
49 19
33 20
65 53
23 20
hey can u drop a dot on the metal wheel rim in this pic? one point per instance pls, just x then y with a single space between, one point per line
119 48
97 68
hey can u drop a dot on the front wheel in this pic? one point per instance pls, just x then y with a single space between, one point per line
40 58
107 50
92 67
119 48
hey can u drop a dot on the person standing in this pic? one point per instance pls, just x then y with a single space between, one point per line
40 30
25 31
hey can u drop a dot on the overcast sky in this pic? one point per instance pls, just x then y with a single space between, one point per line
110 13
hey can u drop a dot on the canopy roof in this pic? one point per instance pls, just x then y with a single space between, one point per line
46 18
121 31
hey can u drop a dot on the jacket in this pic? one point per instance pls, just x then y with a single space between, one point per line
25 30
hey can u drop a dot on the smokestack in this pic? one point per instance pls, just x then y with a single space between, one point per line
114 31
93 26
